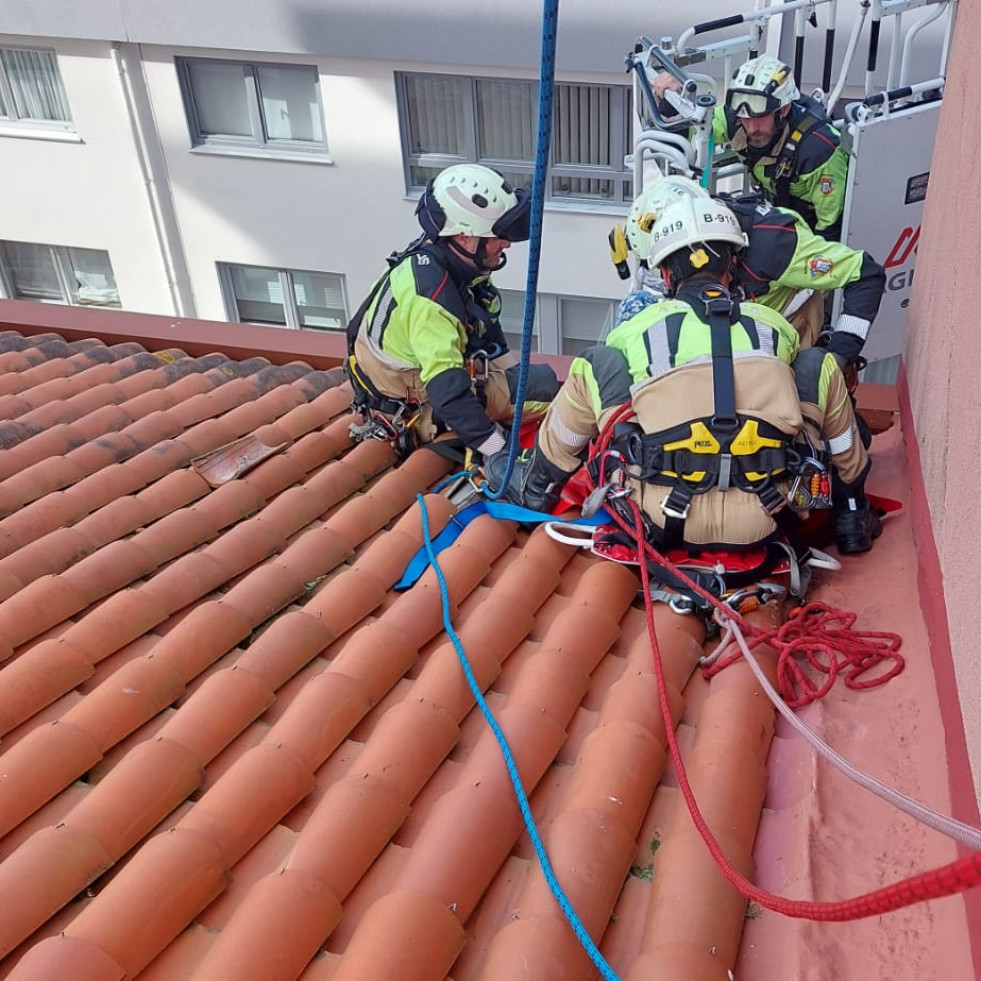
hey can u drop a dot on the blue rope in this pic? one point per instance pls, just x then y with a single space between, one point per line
446 481
553 883
550 17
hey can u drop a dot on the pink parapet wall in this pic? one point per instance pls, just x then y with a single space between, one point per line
939 397
943 352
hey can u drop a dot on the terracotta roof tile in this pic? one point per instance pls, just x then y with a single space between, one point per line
253 757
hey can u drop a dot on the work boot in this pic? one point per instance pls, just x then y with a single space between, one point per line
856 524
535 483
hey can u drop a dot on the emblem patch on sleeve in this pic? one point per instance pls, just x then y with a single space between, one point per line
820 266
826 184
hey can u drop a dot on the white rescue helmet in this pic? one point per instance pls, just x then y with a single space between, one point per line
470 199
761 86
694 224
651 203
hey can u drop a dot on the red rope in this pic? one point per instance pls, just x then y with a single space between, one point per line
817 636
821 638
945 881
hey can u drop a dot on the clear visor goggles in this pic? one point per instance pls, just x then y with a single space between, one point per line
748 103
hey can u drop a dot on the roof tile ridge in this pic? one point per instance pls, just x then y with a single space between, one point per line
135 929
431 949
34 446
24 615
227 627
15 382
273 739
17 527
360 812
63 391
601 812
475 824
219 830
52 755
241 409
129 613
63 957
726 767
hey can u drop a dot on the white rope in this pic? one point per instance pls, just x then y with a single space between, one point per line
952 828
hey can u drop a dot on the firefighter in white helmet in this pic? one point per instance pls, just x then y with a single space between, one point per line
426 350
784 138
785 266
719 410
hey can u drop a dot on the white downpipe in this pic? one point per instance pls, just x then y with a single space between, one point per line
178 286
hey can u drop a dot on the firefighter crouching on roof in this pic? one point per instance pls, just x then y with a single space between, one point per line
721 397
427 353
785 267
784 139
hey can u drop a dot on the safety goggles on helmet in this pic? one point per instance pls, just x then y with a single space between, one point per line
515 224
749 103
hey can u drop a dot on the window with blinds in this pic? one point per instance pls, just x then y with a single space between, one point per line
448 119
237 105
284 297
31 90
513 319
57 274
583 323
562 325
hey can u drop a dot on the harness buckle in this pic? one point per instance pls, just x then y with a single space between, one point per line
669 510
771 499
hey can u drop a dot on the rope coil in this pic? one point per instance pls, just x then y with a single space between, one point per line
820 637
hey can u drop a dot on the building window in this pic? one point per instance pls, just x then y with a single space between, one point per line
31 90
583 323
237 105
284 297
513 319
563 324
57 274
448 119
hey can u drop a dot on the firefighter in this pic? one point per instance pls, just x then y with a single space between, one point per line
427 353
785 140
785 266
722 399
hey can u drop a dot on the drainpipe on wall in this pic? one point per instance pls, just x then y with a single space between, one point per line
154 171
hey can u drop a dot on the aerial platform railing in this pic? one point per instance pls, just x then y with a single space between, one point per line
682 143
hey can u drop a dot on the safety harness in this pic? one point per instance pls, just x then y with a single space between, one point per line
787 170
382 417
726 449
393 419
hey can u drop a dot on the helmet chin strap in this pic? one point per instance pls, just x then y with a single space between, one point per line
479 256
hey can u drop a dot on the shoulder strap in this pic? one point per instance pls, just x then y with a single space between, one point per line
720 308
354 324
786 172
